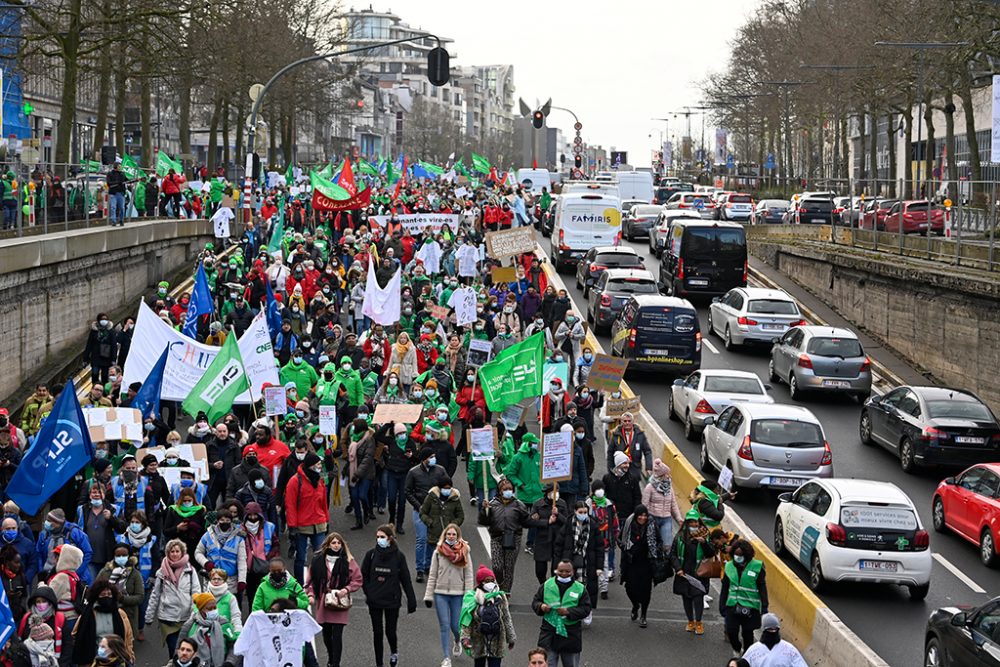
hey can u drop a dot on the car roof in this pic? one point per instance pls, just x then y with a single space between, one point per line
765 293
612 274
644 300
867 490
778 411
835 332
672 213
618 249
938 393
635 201
992 467
709 223
728 373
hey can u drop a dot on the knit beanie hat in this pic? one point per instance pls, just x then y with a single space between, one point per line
201 599
660 469
482 574
620 458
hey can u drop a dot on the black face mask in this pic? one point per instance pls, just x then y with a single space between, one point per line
770 639
106 605
279 580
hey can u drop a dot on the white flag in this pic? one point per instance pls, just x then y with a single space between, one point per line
382 304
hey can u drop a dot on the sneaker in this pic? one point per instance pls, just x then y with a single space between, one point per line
699 628
446 662
393 660
611 575
604 595
420 577
635 613
643 623
529 549
708 602
400 531
689 627
590 619
473 500
456 649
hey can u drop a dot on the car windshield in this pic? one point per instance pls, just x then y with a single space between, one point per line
710 242
772 307
617 259
732 385
958 410
786 433
835 347
632 286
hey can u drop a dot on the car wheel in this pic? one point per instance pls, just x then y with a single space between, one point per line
906 456
937 515
771 375
815 574
933 654
865 428
779 537
586 292
728 341
590 316
918 593
711 324
793 388
703 462
987 548
670 407
689 431
579 285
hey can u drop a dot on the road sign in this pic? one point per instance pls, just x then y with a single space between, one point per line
577 126
730 161
699 203
770 161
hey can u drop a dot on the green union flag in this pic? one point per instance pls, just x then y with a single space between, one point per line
225 379
516 373
164 163
480 164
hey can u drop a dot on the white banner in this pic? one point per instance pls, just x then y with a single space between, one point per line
188 359
419 222
995 148
382 304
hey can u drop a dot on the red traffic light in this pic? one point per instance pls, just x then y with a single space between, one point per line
361 104
537 120
577 161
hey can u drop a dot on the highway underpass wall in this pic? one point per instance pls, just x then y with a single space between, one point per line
53 286
944 320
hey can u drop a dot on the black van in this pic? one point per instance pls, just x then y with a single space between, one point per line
659 333
703 258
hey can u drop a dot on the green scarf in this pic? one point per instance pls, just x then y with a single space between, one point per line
600 502
187 512
469 605
550 596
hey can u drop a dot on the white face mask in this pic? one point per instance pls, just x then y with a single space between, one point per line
490 586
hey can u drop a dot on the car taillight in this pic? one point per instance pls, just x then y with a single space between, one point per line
995 438
682 205
866 365
827 455
744 451
618 238
704 408
836 535
594 266
746 321
839 209
931 433
631 337
805 361
746 271
729 205
921 540
605 299
680 268
562 240
798 323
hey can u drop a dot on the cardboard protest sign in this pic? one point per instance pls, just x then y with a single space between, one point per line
616 407
114 424
194 453
510 242
606 372
401 413
503 274
557 457
479 352
481 443
440 312
512 416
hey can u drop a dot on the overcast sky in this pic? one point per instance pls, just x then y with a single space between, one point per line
616 64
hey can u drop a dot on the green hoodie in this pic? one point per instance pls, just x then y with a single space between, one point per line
352 384
267 594
302 374
523 471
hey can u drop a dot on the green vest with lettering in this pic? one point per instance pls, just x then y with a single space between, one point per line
743 587
569 599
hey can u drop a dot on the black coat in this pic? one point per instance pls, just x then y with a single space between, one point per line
623 491
592 555
547 636
546 535
689 562
226 451
386 576
102 346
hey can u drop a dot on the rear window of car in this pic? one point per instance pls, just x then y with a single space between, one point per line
786 433
877 516
776 203
835 347
733 385
772 307
958 410
740 199
632 286
665 320
645 210
617 259
711 241
817 204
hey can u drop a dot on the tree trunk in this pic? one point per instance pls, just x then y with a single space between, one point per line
929 151
835 165
103 102
847 167
241 114
146 113
873 149
965 92
121 88
213 135
71 71
908 152
890 143
226 152
272 144
862 172
949 144
184 120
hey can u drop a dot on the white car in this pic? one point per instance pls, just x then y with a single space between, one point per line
752 315
855 530
658 233
708 392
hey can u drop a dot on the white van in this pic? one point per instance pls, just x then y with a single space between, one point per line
538 179
583 221
591 187
635 185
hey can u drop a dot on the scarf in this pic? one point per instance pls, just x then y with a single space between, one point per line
332 578
661 484
581 533
186 512
473 600
457 555
255 546
352 455
118 576
138 540
599 502
43 653
211 640
171 571
402 349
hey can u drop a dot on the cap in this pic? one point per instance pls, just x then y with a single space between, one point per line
692 515
770 622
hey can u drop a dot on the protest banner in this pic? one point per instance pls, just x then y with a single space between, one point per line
510 242
503 274
274 401
512 416
480 442
419 222
606 373
440 313
556 457
401 413
113 424
555 370
479 352
328 419
616 407
194 453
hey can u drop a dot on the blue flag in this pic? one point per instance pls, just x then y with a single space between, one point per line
147 399
201 302
273 312
61 450
7 623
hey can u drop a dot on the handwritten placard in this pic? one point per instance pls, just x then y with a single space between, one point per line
606 372
401 413
274 401
510 242
481 443
503 274
616 407
328 419
557 457
479 352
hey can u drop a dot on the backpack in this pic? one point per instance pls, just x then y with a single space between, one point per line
77 590
489 619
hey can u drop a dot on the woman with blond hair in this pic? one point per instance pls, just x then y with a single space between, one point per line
331 578
448 580
404 356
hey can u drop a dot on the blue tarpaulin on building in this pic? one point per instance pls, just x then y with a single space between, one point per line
14 121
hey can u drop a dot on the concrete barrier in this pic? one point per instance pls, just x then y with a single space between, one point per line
806 621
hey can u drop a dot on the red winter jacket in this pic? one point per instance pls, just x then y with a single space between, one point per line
305 504
547 407
426 361
386 353
462 398
172 184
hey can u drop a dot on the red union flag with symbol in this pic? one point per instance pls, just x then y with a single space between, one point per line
330 196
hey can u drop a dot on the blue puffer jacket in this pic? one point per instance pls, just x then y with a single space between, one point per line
76 537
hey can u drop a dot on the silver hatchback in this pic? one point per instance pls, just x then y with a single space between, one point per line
747 315
766 446
821 359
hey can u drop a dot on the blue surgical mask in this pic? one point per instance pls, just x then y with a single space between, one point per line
100 453
187 503
10 535
383 542
738 559
445 493
47 525
564 580
187 483
432 461
135 527
582 517
96 502
121 561
508 494
579 436
212 613
258 484
103 652
300 413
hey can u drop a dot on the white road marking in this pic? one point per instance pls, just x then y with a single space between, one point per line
976 588
484 535
707 343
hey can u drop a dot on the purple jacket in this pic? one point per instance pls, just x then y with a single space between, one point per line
530 303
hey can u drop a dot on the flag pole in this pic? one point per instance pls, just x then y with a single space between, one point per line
253 403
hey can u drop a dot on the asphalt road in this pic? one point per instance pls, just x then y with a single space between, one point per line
882 615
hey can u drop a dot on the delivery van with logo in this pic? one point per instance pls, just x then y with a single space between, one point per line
584 220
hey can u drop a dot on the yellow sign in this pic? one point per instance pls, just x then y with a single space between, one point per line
613 216
947 203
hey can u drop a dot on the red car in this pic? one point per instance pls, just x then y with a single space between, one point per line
912 215
969 505
875 212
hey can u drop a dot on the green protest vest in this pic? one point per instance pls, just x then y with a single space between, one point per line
743 588
570 599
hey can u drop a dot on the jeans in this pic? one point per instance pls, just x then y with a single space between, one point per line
665 527
487 662
359 500
449 610
493 494
303 542
116 203
422 555
381 488
397 499
568 659
9 213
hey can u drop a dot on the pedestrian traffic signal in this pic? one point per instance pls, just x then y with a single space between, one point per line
578 161
538 120
438 66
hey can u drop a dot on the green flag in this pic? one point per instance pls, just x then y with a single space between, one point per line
326 172
433 168
90 166
328 188
366 168
274 245
290 174
480 164
131 169
516 373
164 163
460 168
225 379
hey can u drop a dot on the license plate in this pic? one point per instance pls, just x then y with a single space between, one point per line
818 220
969 440
772 327
838 384
697 282
792 482
657 352
878 565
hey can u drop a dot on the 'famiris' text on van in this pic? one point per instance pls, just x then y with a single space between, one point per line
606 219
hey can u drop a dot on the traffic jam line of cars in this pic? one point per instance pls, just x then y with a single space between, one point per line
838 529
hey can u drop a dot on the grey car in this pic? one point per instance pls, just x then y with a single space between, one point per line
821 359
612 290
747 315
766 446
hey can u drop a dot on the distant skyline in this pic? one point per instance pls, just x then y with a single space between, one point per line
616 65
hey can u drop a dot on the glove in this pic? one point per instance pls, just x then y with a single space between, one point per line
410 608
428 604
209 566
241 586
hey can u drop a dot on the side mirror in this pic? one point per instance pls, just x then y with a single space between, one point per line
678 383
768 387
776 340
876 398
716 299
709 421
785 497
950 481
959 620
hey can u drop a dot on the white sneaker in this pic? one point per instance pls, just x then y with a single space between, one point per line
456 649
708 602
590 619
446 662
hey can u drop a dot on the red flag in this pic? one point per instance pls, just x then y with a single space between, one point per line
534 164
493 175
346 179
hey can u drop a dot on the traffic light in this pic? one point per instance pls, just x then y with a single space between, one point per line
538 119
438 66
578 161
562 158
